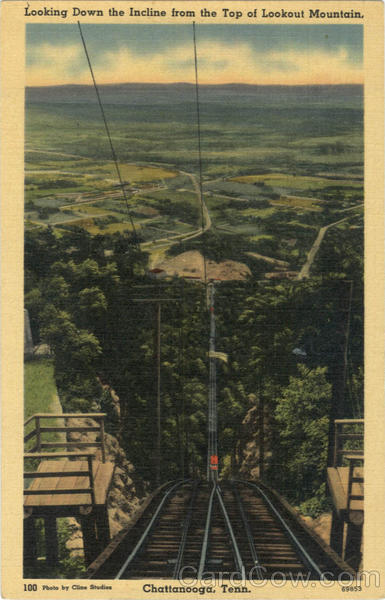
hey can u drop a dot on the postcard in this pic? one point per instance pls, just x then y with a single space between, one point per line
192 299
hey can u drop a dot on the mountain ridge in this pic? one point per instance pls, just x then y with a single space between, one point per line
158 93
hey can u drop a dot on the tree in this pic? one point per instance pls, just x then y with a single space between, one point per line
34 303
92 303
76 353
302 419
56 291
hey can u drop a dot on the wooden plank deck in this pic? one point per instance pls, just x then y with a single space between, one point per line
102 473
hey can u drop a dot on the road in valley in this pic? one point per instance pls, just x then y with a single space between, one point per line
182 237
206 214
305 271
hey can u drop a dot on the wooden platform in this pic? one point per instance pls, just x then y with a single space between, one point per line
338 482
102 473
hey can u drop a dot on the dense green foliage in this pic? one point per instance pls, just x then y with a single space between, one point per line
87 307
302 415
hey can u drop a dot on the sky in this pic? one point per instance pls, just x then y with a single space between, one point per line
250 54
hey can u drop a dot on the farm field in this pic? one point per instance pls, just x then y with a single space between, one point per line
298 202
273 171
293 181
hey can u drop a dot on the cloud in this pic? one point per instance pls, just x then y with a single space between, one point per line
50 64
219 62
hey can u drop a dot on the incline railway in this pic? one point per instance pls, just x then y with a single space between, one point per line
190 529
238 530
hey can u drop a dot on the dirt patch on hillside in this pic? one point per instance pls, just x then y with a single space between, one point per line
271 261
321 525
191 265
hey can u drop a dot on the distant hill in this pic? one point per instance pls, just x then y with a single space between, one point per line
150 94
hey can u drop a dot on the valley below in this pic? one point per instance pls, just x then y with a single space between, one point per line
266 191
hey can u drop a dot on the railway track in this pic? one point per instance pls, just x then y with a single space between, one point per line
193 529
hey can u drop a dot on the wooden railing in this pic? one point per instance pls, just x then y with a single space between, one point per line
350 430
354 478
40 429
342 434
47 455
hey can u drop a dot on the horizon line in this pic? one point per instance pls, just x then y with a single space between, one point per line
200 85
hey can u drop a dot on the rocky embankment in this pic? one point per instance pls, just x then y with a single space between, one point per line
127 491
248 446
321 525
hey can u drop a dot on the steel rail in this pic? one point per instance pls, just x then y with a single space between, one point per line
238 558
186 527
202 561
307 559
149 527
250 538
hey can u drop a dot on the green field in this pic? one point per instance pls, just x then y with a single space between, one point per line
136 173
293 181
110 228
87 209
40 394
39 387
259 212
298 202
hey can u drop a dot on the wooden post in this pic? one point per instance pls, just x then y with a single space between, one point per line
51 541
102 526
338 371
261 429
346 344
157 449
181 418
353 545
158 418
187 453
337 533
38 433
336 444
90 542
102 439
29 541
350 484
91 477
